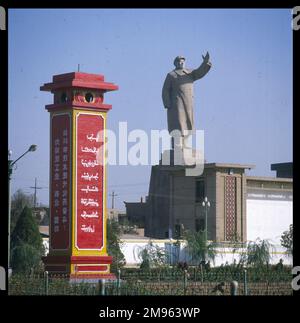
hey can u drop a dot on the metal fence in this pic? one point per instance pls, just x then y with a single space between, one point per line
193 281
218 274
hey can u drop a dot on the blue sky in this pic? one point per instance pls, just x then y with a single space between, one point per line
244 104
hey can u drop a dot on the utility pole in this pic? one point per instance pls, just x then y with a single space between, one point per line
113 195
35 188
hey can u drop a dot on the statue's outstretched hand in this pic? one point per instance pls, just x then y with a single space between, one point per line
206 58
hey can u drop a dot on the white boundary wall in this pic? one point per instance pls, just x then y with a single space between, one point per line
130 250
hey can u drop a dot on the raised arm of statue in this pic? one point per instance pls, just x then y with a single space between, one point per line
203 69
166 92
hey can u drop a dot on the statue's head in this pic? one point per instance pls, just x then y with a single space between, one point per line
179 62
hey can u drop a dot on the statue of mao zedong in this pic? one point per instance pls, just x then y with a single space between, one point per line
177 95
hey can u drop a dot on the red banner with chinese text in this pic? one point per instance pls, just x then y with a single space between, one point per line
89 181
60 182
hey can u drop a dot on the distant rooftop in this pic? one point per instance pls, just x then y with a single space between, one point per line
44 230
229 165
284 170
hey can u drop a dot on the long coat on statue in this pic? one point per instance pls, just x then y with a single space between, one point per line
178 97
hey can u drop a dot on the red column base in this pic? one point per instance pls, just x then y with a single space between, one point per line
79 267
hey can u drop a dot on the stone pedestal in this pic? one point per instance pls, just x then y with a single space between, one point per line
175 200
181 157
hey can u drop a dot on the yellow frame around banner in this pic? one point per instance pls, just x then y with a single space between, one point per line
75 251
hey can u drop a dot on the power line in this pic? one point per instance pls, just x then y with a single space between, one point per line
22 179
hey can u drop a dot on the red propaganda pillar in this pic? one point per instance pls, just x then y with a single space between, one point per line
78 245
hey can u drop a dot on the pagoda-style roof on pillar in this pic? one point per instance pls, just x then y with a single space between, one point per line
79 80
74 86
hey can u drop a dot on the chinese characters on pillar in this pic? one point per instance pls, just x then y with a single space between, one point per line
60 181
89 181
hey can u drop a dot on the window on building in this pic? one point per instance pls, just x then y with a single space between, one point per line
64 97
89 97
200 225
200 191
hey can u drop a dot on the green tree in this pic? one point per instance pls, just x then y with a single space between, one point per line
113 245
18 202
198 247
26 243
151 256
287 240
145 258
257 253
25 257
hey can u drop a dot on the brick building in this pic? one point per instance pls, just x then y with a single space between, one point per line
242 207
